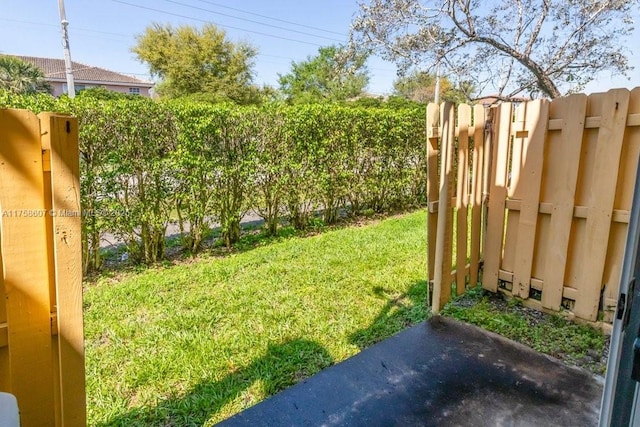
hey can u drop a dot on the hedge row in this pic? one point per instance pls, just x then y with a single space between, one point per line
145 164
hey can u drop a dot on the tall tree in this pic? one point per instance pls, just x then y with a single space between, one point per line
20 77
329 76
419 86
539 47
200 63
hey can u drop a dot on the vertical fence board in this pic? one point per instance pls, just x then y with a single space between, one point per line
62 137
513 191
498 193
608 149
462 197
433 117
25 267
562 189
476 191
532 157
443 256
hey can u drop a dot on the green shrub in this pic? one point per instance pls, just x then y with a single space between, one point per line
144 161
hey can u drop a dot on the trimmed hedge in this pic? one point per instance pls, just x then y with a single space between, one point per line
146 163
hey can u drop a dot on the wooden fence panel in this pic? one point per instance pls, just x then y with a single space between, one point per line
41 334
26 278
465 174
560 185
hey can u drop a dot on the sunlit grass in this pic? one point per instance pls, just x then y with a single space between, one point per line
195 343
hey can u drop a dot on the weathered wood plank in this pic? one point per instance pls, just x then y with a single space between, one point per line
623 201
61 137
537 113
514 165
602 194
476 192
24 253
462 196
433 117
497 197
443 261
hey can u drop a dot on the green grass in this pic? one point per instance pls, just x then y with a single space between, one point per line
576 344
195 343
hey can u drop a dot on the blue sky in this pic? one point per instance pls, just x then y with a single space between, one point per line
103 31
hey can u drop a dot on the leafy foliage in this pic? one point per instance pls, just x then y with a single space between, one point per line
199 63
419 87
535 47
145 164
20 77
329 76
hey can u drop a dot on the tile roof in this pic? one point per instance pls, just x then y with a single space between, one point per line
55 69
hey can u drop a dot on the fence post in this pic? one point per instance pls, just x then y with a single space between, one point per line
60 141
433 137
442 268
462 197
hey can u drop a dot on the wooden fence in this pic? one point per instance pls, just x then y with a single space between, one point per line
558 177
41 335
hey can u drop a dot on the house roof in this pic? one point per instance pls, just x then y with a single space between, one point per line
54 69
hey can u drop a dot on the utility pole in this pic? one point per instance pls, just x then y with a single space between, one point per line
71 89
437 89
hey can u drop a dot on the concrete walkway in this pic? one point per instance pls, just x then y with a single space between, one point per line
438 373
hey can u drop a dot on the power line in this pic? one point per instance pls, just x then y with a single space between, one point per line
208 22
250 20
56 27
272 18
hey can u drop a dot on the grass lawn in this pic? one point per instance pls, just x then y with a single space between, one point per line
195 343
575 344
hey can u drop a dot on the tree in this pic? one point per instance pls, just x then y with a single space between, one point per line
20 77
419 86
539 47
329 76
199 63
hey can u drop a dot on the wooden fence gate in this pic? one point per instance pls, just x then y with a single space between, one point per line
41 335
553 182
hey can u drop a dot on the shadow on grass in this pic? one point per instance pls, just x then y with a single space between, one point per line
400 312
283 365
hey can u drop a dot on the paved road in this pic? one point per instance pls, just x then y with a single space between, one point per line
111 241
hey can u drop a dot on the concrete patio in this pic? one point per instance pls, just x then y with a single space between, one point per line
438 373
